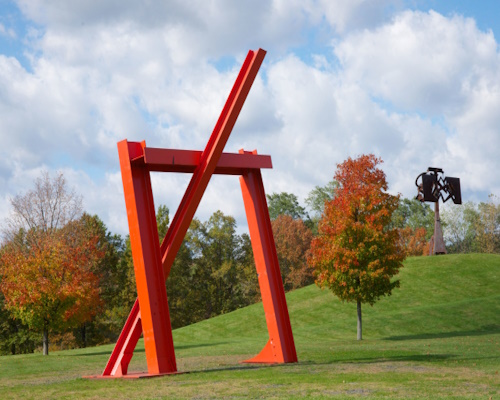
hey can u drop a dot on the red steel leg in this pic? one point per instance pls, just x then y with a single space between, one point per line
281 347
145 244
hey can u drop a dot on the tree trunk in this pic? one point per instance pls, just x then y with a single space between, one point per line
360 334
45 340
84 335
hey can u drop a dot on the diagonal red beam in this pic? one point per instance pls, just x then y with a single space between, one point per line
201 176
192 197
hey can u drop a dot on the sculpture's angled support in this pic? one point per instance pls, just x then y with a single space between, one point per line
280 348
209 158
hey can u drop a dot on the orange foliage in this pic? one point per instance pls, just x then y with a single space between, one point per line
426 249
293 240
413 240
47 278
355 255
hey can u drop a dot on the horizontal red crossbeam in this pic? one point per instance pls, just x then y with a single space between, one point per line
171 160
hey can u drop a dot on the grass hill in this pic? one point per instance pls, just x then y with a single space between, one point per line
438 336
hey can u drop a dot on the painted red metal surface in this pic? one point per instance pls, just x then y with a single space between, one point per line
170 160
152 262
209 159
281 347
145 245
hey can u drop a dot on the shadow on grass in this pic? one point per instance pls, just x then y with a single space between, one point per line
141 350
365 360
413 357
243 367
384 359
485 330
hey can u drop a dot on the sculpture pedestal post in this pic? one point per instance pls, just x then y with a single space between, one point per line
439 247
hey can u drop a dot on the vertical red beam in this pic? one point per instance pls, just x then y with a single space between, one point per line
151 292
192 197
281 347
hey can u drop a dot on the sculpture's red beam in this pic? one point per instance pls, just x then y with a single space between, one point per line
209 158
170 160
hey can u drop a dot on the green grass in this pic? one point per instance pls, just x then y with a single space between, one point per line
438 336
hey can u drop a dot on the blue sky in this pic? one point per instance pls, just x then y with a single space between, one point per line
415 82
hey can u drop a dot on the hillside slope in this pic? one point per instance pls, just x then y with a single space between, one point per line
449 295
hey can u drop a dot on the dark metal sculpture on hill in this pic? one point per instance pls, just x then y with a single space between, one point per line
433 187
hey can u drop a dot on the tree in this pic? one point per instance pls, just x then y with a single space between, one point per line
46 264
415 221
217 269
320 195
488 226
285 204
106 325
355 254
49 206
413 214
162 220
15 336
316 201
293 240
472 227
460 227
414 241
47 279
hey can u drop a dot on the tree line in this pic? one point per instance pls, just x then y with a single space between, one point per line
63 274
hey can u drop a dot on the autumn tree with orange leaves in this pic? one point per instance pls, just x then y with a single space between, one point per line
355 253
48 261
293 240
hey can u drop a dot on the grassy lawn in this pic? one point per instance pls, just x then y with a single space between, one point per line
438 336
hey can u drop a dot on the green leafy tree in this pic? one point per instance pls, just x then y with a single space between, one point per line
320 195
106 325
415 221
413 214
355 254
488 226
15 336
472 227
285 204
460 227
316 202
213 271
162 220
217 268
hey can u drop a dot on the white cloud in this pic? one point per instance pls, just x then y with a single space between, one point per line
420 61
418 89
443 70
7 32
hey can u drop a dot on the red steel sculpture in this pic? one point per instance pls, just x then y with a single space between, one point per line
152 262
